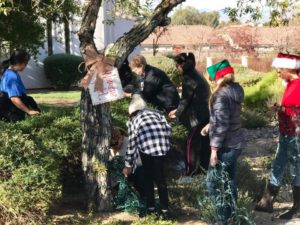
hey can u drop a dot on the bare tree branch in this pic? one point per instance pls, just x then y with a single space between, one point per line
88 25
126 44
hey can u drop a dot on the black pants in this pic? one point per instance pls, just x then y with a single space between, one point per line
154 173
138 180
197 152
10 113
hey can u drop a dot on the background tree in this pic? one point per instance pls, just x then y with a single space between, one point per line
96 120
281 12
14 28
158 32
192 16
211 19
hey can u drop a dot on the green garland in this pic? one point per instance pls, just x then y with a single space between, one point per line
126 198
223 198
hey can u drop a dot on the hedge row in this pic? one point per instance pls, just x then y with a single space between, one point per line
32 160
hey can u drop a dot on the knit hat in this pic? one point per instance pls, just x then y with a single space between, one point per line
286 61
219 70
137 103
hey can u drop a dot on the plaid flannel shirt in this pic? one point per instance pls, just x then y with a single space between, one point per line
149 132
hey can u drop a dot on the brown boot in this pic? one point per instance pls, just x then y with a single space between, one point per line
294 212
266 202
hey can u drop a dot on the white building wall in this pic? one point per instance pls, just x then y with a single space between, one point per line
109 33
34 77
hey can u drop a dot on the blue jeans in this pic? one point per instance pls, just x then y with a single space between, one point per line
288 152
221 184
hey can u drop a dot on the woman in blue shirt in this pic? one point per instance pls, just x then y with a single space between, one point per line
15 103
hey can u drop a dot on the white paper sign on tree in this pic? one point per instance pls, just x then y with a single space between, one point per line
112 88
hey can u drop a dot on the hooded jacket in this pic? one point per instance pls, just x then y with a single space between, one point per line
193 106
225 111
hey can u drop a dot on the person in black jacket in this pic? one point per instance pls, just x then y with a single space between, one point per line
154 85
193 113
126 77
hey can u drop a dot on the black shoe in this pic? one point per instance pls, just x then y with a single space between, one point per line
149 211
165 214
294 212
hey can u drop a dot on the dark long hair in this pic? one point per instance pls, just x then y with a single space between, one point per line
186 60
18 56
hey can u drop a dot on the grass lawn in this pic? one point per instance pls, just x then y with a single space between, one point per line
69 95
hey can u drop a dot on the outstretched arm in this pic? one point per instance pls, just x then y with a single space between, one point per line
20 105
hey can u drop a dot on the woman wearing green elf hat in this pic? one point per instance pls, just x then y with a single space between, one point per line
226 139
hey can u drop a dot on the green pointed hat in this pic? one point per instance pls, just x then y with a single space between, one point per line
219 70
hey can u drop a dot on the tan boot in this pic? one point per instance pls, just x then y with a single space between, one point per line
266 202
294 212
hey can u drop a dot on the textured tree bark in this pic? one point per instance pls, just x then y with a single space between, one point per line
67 32
49 37
96 120
96 127
126 44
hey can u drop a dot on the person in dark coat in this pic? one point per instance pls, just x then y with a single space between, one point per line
193 113
126 77
154 85
226 140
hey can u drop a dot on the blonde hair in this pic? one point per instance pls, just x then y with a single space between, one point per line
222 82
138 61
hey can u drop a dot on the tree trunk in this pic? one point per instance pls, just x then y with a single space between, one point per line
67 33
96 120
49 37
96 127
154 47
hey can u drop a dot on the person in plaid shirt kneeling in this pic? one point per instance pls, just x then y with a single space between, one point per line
149 134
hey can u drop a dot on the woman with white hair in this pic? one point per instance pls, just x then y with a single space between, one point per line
149 134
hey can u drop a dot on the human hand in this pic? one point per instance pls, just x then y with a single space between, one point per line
172 114
126 171
214 157
205 130
33 112
127 95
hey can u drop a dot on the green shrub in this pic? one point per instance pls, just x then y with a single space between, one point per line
258 95
119 112
62 69
252 118
33 157
168 66
247 77
248 181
